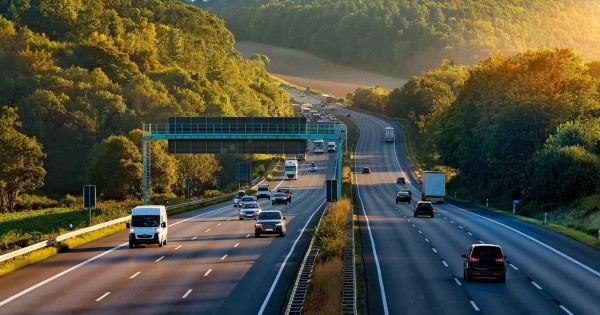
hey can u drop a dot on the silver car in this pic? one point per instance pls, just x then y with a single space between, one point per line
246 199
250 210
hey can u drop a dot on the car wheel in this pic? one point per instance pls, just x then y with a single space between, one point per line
241 218
409 201
432 215
130 245
396 202
285 203
160 244
165 242
415 215
502 278
272 203
256 234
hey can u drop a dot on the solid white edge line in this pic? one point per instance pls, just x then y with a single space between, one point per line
33 287
208 272
135 275
103 296
566 309
187 293
556 251
268 297
474 305
378 267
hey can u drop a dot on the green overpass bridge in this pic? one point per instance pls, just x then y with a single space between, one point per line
240 135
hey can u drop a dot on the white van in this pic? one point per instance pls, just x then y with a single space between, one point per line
148 225
331 146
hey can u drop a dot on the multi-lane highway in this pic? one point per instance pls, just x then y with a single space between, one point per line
414 265
212 263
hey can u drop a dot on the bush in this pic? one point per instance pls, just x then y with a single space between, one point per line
33 202
211 193
69 201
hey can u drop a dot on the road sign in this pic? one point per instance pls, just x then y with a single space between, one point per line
331 191
516 202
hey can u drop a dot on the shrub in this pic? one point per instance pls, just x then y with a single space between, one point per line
69 201
33 202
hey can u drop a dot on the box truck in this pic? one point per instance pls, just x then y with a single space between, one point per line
148 225
291 169
388 134
434 186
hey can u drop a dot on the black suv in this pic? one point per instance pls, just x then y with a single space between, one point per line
424 208
270 222
484 261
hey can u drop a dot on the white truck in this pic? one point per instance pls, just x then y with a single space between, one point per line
388 134
291 169
434 186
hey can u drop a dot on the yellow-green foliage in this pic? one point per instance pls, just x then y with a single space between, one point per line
325 293
333 232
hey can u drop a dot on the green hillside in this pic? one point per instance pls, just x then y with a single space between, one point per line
79 72
410 36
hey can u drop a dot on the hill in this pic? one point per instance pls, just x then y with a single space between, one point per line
406 37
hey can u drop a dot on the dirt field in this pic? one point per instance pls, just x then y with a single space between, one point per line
304 69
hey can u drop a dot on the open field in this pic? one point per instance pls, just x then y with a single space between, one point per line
304 69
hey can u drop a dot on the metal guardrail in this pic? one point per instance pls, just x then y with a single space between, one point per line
296 301
349 288
54 240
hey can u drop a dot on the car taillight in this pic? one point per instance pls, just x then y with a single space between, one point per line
501 259
473 259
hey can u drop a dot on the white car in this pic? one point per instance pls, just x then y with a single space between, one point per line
238 198
246 200
312 167
250 210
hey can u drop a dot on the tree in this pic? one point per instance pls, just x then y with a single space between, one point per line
116 168
200 168
21 160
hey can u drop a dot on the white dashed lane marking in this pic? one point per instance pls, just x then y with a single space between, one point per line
103 296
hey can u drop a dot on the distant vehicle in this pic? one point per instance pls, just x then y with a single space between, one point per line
408 191
250 210
388 134
332 108
270 222
326 100
348 115
278 198
424 208
263 192
318 146
403 196
287 192
330 146
148 225
366 170
400 180
238 198
246 200
301 157
312 167
484 261
302 94
434 186
291 169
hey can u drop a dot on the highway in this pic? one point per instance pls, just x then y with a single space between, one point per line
414 265
212 263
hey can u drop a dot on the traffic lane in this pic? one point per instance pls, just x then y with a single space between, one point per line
451 239
408 265
566 282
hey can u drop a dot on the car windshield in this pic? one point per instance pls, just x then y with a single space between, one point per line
250 205
270 216
279 194
145 220
241 194
263 188
248 198
402 193
425 205
312 164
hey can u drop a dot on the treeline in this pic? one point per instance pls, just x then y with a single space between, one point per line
408 37
78 77
526 126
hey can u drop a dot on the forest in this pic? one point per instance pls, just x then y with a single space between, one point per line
406 37
78 78
521 127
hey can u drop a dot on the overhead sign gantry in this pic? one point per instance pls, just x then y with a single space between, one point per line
239 135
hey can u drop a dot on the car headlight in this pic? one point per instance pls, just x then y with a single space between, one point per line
132 230
279 224
258 226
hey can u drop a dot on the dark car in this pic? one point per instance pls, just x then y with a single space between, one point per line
408 191
287 192
270 222
278 198
484 261
424 208
366 170
348 115
403 196
400 180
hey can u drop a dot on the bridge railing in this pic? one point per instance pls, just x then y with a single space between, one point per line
243 128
